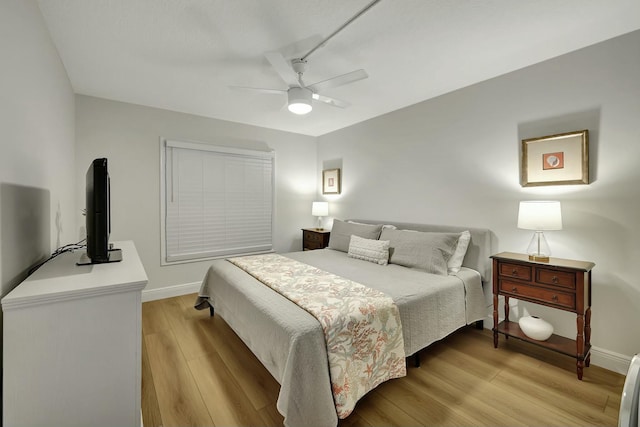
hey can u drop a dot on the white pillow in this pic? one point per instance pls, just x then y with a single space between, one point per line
376 251
455 262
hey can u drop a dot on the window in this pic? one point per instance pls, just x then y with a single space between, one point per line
216 201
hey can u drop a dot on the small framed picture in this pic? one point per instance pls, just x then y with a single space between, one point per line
331 181
556 159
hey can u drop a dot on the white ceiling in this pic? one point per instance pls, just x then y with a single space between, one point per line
182 55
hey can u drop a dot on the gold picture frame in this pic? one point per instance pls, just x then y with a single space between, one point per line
331 181
561 159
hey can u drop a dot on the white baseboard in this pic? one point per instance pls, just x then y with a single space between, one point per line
170 291
610 360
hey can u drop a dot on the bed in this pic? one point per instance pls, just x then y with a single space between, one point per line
290 342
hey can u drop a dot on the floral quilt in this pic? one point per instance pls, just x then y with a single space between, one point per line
361 325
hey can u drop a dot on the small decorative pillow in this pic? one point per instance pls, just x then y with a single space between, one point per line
376 251
455 262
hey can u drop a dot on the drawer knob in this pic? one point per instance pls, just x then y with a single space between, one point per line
514 289
554 279
514 272
554 298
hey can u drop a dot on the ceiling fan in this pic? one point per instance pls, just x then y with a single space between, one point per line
300 95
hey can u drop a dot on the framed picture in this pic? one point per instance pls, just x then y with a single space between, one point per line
556 159
331 181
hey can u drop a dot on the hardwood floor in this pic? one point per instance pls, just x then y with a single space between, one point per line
196 371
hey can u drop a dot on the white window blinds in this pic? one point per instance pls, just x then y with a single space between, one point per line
218 201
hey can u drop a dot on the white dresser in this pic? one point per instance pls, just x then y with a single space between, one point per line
72 344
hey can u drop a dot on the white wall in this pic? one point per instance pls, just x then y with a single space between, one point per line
37 172
36 148
129 136
455 160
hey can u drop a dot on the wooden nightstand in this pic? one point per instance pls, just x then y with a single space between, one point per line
560 283
312 238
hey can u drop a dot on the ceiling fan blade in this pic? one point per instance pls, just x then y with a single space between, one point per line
331 101
338 81
283 68
258 89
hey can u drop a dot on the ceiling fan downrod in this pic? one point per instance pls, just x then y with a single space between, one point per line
342 27
299 67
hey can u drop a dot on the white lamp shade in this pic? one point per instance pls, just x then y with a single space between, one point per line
540 215
320 209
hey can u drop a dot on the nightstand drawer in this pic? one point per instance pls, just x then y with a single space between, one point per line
314 239
516 271
533 293
313 245
310 237
556 278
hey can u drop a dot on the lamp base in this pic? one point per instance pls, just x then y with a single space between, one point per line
538 258
538 249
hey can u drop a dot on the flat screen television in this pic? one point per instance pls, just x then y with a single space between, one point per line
98 215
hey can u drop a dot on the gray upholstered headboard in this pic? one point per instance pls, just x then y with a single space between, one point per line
479 250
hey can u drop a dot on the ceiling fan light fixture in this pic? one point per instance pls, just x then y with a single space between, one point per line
299 100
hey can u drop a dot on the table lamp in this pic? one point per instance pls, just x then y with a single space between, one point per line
539 216
320 209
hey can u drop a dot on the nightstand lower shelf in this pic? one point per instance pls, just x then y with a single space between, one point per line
557 343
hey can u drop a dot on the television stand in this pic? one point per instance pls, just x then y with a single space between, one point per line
115 255
72 344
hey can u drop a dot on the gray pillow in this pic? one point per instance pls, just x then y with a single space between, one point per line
342 231
425 251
